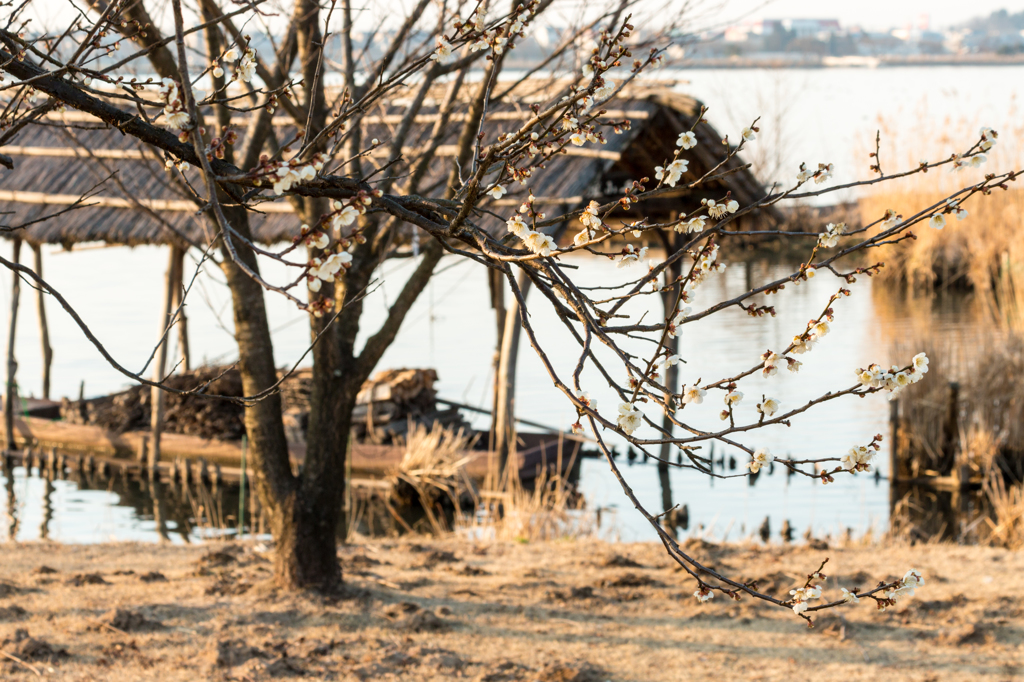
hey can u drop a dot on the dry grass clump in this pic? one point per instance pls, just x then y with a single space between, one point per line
432 475
552 510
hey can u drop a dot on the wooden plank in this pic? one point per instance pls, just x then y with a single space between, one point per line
122 449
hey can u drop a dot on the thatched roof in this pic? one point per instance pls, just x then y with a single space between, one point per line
134 200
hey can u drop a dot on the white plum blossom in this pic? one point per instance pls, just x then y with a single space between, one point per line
748 134
733 398
803 175
247 66
920 362
693 225
937 221
672 173
539 243
497 192
578 138
818 330
687 140
988 139
670 361
629 418
802 344
890 219
605 91
445 52
694 395
344 217
704 594
857 459
590 218
824 173
290 175
849 597
632 255
585 398
517 226
761 458
231 55
977 161
768 407
830 237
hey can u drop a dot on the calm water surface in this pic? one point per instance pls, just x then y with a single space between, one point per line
451 328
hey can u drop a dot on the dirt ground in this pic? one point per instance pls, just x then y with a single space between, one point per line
581 611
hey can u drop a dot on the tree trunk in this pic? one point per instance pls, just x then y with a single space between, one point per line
671 375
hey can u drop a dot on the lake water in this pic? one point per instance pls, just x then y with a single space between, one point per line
832 113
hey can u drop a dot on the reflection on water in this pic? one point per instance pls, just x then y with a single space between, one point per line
865 327
83 507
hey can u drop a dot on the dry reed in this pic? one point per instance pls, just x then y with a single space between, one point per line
980 252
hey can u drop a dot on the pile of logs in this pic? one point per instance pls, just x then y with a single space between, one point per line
194 415
386 406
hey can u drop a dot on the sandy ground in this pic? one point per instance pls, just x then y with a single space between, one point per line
578 611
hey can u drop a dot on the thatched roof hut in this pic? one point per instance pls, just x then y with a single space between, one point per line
133 200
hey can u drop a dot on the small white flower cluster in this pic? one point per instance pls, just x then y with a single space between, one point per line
591 224
830 237
859 458
895 380
890 219
706 264
906 587
773 360
537 242
761 458
295 172
976 160
631 255
693 225
823 173
938 220
768 407
346 214
324 269
246 69
988 139
802 595
175 115
704 595
716 210
629 419
671 174
672 328
749 134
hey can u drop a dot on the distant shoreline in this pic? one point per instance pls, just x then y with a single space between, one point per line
853 62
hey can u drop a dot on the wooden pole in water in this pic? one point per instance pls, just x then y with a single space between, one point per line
241 491
44 328
178 255
12 364
160 363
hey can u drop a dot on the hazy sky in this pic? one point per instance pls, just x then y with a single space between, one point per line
875 13
871 14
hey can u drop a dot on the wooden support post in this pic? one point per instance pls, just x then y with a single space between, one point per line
504 410
141 455
12 364
156 402
44 328
177 291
